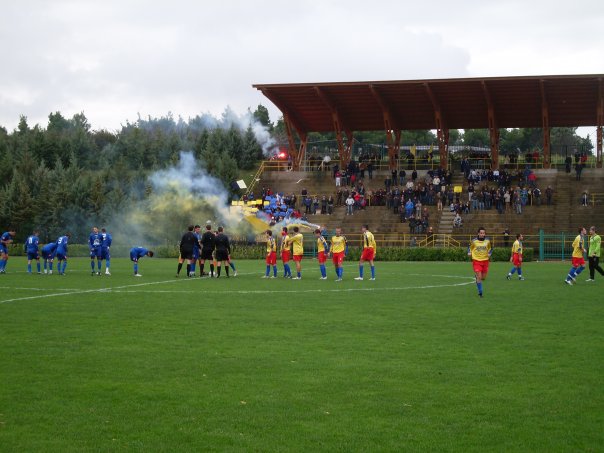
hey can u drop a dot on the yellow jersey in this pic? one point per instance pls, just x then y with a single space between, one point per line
338 244
321 244
271 246
517 247
285 244
368 240
480 250
578 247
297 241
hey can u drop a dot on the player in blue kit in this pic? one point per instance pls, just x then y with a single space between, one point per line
94 244
32 250
5 240
137 253
61 253
48 255
196 249
105 255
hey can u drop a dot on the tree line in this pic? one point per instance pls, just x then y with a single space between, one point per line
65 176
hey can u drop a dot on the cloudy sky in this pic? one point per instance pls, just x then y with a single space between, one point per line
114 60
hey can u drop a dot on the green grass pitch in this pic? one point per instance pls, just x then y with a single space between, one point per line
413 361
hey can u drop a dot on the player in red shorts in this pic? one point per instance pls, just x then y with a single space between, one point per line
480 250
368 253
322 252
285 253
516 258
271 255
578 257
338 252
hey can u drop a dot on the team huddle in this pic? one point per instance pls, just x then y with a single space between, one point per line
292 247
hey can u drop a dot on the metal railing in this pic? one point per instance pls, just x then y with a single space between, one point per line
596 198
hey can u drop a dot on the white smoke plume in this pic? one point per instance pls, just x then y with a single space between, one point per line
182 195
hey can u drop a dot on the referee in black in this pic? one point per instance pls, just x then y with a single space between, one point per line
208 243
187 244
223 250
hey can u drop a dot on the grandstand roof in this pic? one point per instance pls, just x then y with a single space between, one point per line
570 100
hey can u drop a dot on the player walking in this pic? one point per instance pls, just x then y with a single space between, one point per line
516 258
578 260
480 250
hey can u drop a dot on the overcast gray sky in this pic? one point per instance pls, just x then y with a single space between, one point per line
115 59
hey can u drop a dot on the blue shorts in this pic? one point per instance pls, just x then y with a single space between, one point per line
196 253
33 256
3 250
48 256
95 253
105 255
61 256
133 257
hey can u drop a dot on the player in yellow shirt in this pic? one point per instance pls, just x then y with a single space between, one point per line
516 258
368 253
271 255
578 257
480 250
285 253
322 251
338 251
297 243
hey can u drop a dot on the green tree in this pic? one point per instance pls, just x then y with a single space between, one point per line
262 116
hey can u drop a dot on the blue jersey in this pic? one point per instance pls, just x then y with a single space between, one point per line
105 240
48 250
62 245
138 252
95 240
6 238
31 245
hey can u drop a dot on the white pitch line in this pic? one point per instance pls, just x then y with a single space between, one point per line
124 289
37 289
272 291
87 291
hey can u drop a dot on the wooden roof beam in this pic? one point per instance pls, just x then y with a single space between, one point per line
391 121
338 122
299 125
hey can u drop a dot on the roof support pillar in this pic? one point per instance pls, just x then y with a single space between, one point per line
393 132
345 151
545 125
393 140
600 124
442 132
297 153
493 130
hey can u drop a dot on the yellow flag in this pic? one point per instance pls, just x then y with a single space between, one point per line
413 150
